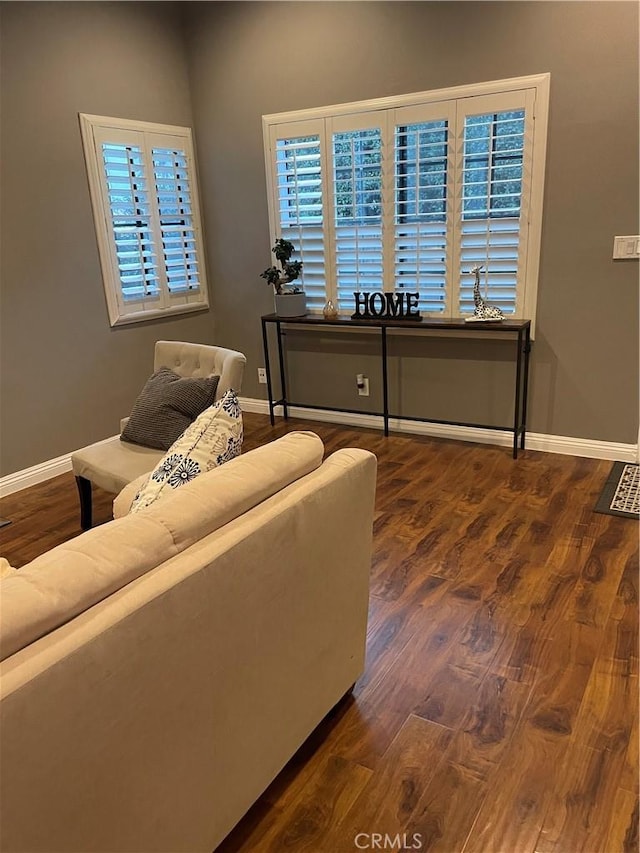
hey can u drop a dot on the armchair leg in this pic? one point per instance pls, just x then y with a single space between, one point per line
84 491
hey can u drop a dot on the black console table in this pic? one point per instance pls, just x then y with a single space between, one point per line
520 330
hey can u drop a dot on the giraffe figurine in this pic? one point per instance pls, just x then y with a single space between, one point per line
483 313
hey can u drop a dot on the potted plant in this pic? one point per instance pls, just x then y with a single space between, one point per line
289 301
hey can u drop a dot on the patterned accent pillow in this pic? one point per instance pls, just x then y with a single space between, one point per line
166 406
212 439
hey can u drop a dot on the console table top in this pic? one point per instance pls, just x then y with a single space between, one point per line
509 325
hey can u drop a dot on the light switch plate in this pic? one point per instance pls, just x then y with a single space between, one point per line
626 248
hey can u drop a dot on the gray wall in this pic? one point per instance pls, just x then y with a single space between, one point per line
248 59
66 376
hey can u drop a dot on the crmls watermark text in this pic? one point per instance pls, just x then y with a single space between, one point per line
378 841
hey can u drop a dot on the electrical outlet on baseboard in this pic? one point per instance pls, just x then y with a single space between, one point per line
262 376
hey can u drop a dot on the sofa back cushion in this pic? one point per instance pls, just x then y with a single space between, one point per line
65 581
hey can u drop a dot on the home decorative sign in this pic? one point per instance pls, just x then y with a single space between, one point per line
386 306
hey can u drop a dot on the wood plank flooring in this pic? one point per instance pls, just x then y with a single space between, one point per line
499 708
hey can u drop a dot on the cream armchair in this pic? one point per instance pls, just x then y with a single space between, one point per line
112 465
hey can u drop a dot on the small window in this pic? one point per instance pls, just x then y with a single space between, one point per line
145 206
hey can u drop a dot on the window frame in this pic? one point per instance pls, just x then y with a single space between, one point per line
535 88
93 129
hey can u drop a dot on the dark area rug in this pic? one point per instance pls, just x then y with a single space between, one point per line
621 493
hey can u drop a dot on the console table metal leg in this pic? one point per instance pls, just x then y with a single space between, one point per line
267 367
283 381
525 387
516 415
385 388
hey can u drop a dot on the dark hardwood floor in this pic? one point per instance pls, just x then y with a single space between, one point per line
499 707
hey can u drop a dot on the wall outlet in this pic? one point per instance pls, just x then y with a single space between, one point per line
362 384
262 376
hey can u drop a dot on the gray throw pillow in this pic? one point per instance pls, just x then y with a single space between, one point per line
166 406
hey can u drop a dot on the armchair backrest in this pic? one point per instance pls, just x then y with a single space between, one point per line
196 360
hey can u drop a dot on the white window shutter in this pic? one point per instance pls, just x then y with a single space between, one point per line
129 212
176 224
298 202
359 196
423 146
492 203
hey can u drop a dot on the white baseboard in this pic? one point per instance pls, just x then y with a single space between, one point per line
588 447
39 473
591 448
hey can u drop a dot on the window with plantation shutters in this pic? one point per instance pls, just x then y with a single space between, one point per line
144 198
411 193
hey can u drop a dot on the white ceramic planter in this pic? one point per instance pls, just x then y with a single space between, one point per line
291 304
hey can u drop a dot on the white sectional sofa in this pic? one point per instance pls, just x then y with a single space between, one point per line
158 671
